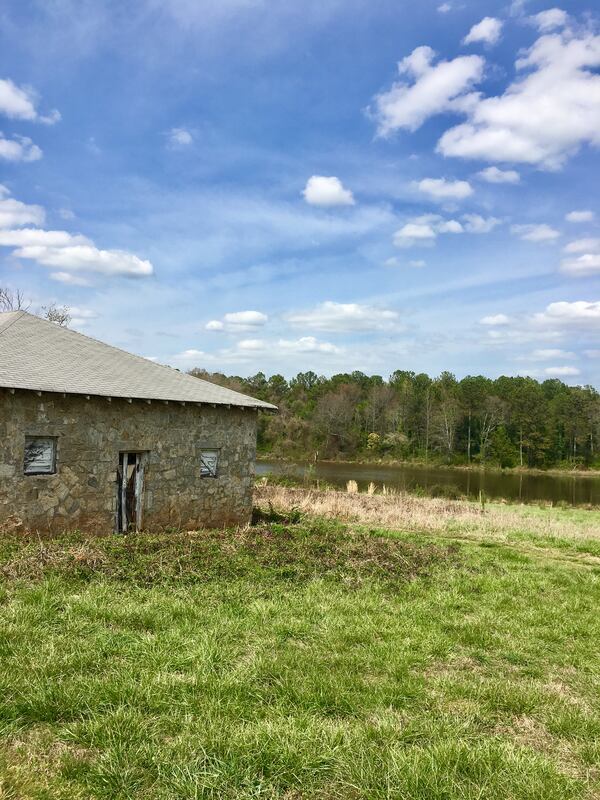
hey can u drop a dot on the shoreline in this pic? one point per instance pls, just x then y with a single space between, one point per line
552 471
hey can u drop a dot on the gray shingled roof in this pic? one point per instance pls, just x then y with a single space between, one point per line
38 355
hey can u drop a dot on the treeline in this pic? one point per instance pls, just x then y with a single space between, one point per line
507 422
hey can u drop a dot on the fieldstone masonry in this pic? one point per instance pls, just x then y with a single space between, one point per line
91 434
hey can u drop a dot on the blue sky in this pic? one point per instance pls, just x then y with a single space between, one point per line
330 185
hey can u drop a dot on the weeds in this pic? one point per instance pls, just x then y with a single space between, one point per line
306 657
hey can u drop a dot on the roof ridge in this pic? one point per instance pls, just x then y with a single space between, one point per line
120 350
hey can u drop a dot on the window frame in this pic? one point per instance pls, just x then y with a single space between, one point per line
53 440
210 474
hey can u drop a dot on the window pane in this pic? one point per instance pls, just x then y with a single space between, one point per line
39 455
209 461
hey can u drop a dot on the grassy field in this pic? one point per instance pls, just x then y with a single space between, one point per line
346 647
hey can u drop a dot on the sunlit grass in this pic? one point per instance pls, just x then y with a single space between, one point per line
301 659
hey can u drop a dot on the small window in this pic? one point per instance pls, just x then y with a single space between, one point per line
209 462
40 456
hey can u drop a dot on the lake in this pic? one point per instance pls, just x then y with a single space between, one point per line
524 487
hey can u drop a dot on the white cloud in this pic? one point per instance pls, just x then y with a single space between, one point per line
535 233
87 258
60 249
14 212
327 191
547 354
424 230
444 8
561 372
191 355
578 314
215 325
307 344
179 138
20 103
585 264
550 20
19 148
34 237
80 317
436 89
414 233
69 279
488 31
441 189
450 226
238 321
251 344
543 117
346 317
475 223
495 319
496 175
580 216
418 263
583 246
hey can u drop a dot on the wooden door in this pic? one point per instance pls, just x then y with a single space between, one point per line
130 486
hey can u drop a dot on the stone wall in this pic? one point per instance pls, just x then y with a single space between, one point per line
91 434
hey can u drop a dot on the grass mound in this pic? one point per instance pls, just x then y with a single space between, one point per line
269 552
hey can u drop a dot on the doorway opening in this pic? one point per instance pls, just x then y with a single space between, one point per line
130 488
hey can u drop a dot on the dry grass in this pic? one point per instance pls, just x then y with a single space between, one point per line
401 511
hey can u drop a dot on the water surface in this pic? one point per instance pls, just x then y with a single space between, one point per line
524 487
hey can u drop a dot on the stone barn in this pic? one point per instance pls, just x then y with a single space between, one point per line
95 438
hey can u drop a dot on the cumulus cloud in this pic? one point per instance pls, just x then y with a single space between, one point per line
495 319
475 223
179 138
87 258
550 20
535 233
80 317
251 344
64 251
34 237
441 189
561 372
563 314
14 213
191 355
69 279
415 233
583 265
583 245
19 148
308 344
346 317
425 229
488 30
580 216
321 190
496 175
542 118
20 103
435 89
548 354
238 321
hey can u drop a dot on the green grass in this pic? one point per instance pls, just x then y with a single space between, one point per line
299 659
